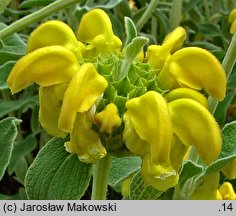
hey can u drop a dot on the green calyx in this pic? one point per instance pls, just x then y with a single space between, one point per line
139 80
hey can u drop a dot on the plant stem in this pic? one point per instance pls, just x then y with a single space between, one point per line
35 17
147 14
100 178
175 13
228 64
154 27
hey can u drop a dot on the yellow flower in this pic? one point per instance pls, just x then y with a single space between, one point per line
148 113
194 125
157 55
229 169
194 68
96 29
84 141
177 153
109 118
83 91
132 140
125 187
232 20
50 100
226 192
207 190
55 32
186 93
45 66
161 177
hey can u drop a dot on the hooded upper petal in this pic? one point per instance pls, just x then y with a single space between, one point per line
195 68
83 91
194 125
45 66
148 113
55 32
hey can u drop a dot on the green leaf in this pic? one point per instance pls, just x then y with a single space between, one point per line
13 48
56 174
13 105
228 151
1 44
4 73
34 121
131 51
122 10
138 191
20 150
189 170
108 4
35 3
21 168
163 22
19 196
8 132
122 167
232 79
134 48
189 5
209 30
221 110
130 30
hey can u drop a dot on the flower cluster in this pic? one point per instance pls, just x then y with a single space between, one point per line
157 111
69 88
161 127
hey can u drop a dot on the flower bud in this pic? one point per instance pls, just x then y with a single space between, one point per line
96 29
45 66
109 118
157 55
227 191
